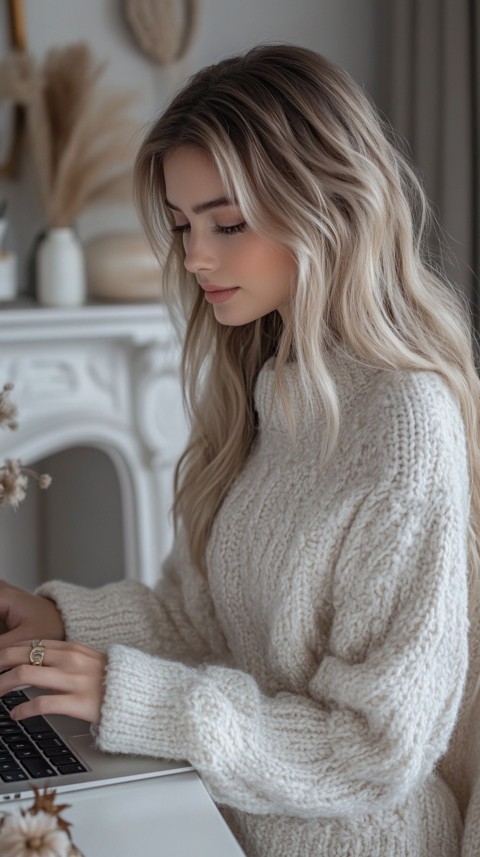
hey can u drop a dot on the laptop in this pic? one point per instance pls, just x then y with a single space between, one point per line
59 752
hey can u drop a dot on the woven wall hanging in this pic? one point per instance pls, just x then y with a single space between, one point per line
163 29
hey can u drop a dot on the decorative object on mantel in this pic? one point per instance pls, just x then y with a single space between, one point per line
122 267
61 271
13 476
39 831
89 131
8 261
163 29
80 134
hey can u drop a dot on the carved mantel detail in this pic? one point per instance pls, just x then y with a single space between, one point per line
158 406
106 377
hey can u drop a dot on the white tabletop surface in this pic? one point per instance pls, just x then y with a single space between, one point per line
169 816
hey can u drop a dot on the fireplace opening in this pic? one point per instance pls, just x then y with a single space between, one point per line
74 531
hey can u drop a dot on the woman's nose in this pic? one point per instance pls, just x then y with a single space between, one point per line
199 254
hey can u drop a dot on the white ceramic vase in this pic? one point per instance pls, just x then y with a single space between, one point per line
60 269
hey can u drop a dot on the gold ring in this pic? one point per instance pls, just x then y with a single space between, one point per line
37 653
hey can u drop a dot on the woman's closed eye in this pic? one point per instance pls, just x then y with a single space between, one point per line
182 228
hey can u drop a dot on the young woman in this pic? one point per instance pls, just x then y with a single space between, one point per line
307 645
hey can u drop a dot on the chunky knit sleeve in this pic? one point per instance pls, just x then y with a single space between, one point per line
176 619
381 703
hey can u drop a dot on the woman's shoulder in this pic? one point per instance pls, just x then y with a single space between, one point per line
417 401
415 392
401 392
412 422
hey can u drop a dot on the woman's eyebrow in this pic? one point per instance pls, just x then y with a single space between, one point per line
204 206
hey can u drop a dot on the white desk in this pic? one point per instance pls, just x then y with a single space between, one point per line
170 816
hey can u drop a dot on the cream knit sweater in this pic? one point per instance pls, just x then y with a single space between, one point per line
315 679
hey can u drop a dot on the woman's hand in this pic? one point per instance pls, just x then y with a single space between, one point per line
25 616
71 672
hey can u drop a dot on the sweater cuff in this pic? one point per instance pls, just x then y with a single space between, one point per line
144 710
98 617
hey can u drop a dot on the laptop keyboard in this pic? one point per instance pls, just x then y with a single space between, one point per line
30 748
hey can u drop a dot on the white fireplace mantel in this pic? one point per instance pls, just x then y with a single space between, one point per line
106 377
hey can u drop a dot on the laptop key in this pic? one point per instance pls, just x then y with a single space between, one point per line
13 776
13 694
63 760
8 765
41 736
38 768
15 697
14 738
27 754
53 741
12 703
10 729
77 768
56 751
34 725
20 745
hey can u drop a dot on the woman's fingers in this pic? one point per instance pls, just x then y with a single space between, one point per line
19 654
74 705
72 656
72 670
27 675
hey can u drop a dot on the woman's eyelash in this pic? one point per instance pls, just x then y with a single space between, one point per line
220 230
231 230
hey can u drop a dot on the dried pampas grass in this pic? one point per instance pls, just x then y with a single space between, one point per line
80 132
90 135
69 82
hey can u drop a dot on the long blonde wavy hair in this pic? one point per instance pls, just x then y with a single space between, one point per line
300 147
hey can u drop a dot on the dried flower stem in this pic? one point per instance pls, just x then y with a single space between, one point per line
13 475
90 134
8 411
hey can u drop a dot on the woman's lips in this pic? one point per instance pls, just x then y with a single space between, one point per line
218 296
